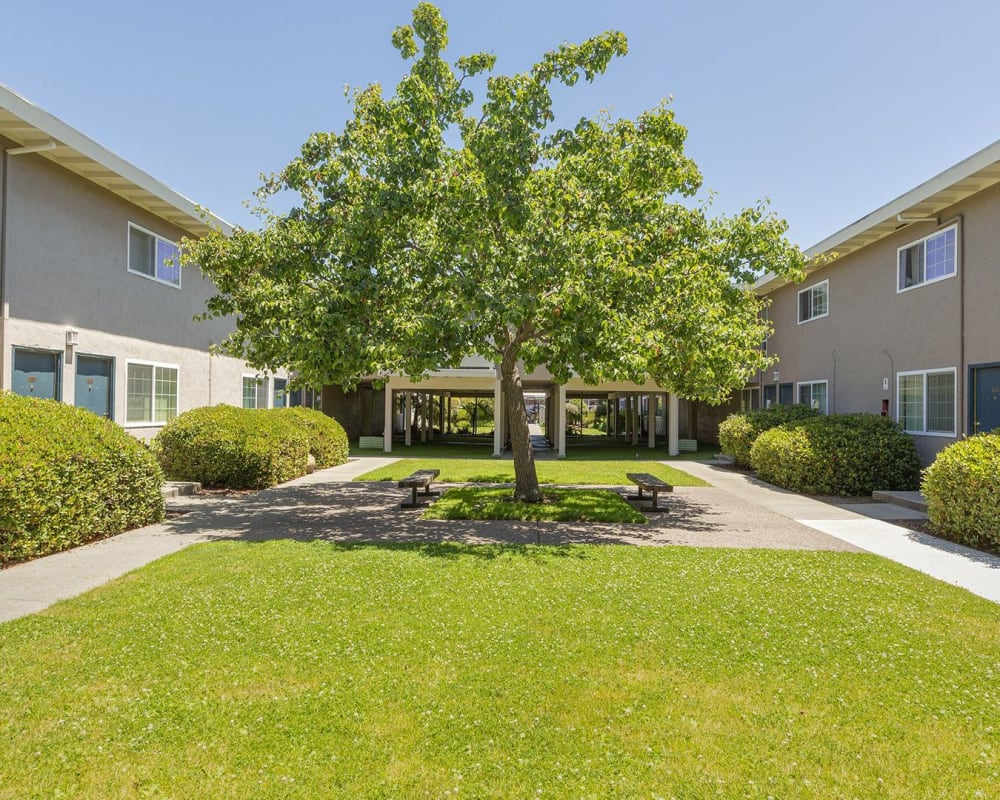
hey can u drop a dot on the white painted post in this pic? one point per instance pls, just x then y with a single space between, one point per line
387 430
673 425
651 420
408 420
498 416
561 421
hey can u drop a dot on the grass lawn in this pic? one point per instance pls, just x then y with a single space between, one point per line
305 670
561 505
598 473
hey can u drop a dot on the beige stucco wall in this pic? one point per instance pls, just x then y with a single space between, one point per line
873 332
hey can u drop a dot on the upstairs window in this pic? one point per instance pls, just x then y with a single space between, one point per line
814 302
153 256
930 259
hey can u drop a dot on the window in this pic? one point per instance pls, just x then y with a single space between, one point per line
280 392
153 256
813 394
150 393
930 259
926 401
814 302
254 391
305 397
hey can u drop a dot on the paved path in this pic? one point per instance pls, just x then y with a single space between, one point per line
861 526
736 511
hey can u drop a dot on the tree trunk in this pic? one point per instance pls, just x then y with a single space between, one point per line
525 478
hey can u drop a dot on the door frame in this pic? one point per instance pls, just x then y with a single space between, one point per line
111 379
971 386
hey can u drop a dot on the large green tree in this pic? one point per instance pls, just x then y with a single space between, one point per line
433 228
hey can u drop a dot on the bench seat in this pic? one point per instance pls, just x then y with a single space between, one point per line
651 484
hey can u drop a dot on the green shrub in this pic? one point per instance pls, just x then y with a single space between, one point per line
234 448
963 491
327 440
67 477
738 432
844 454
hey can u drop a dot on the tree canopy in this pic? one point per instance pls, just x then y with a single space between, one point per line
432 228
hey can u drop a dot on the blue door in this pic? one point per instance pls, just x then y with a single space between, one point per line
93 384
985 399
36 374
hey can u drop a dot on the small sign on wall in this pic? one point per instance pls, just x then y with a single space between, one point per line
885 384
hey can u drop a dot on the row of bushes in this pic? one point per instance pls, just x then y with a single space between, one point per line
856 454
239 448
67 477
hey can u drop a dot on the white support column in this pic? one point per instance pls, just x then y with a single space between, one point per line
408 420
387 430
635 420
651 420
673 420
498 415
561 421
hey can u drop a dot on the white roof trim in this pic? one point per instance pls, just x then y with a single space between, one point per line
27 124
931 196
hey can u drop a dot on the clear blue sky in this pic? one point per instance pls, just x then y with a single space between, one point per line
829 109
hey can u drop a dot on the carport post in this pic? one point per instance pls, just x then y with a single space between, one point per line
651 420
387 430
408 420
561 421
673 446
497 418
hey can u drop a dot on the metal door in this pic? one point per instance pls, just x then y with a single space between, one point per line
36 374
786 396
985 399
93 384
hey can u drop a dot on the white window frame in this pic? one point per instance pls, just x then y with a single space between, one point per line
923 240
262 382
825 382
798 302
954 411
157 238
152 423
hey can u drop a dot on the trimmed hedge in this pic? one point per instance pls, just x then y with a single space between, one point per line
327 440
68 477
963 491
234 448
738 432
842 454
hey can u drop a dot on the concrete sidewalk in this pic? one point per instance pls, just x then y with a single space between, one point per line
949 562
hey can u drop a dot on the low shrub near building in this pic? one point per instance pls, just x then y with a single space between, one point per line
839 454
963 491
327 439
235 448
67 477
738 432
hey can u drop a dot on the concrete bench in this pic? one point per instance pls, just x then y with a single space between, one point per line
421 479
653 485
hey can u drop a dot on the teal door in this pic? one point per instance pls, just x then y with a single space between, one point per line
985 399
93 384
36 374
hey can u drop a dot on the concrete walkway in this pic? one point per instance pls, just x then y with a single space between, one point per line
736 511
861 526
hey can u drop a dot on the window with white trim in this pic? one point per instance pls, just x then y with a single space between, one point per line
150 393
925 401
813 394
254 391
814 302
153 256
927 260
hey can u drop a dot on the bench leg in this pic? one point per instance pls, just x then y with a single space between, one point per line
654 505
413 499
428 493
636 497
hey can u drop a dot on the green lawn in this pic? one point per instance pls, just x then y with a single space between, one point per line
598 473
560 505
307 670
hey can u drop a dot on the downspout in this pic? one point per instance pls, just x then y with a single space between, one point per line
833 400
963 370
